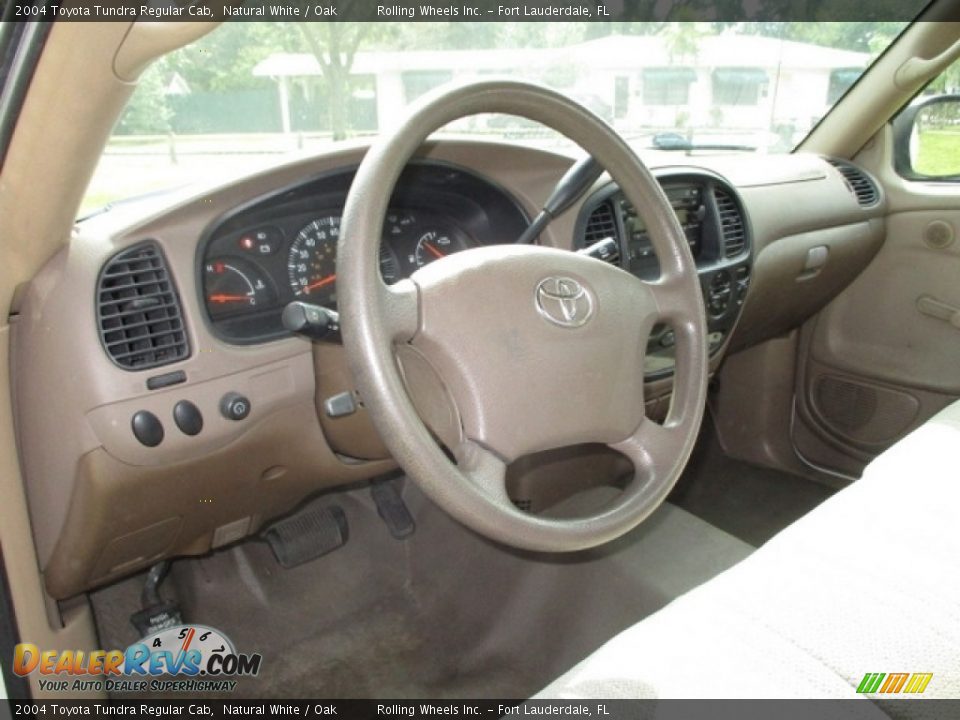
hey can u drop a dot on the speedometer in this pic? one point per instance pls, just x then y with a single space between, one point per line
312 262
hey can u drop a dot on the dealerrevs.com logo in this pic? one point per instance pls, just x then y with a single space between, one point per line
188 658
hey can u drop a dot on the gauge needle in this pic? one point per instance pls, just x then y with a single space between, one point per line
320 283
436 253
223 298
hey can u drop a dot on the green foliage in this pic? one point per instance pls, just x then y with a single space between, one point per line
938 153
148 112
858 36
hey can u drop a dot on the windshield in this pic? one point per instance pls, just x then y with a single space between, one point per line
253 93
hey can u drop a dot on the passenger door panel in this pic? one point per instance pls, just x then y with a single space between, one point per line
882 357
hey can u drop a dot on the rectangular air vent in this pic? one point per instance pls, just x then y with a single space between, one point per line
858 182
601 224
138 309
731 224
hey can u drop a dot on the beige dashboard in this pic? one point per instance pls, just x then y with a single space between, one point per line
103 503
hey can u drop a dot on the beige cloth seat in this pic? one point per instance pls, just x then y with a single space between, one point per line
867 582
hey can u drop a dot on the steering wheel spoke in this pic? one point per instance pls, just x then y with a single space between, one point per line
672 297
652 448
485 469
400 304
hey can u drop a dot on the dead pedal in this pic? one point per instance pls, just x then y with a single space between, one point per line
307 535
392 509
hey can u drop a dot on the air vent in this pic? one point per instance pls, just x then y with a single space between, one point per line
858 181
731 224
601 224
141 324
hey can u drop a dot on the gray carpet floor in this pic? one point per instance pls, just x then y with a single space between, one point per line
749 502
444 613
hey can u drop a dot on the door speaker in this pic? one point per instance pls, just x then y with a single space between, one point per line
861 412
938 234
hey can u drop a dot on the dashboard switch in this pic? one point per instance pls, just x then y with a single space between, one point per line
311 321
340 405
234 406
187 417
147 428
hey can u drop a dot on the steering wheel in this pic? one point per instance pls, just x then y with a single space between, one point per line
525 348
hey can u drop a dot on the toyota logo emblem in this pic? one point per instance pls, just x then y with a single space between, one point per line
564 302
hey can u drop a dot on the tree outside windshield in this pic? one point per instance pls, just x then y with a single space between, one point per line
251 94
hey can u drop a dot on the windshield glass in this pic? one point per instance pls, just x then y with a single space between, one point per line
252 93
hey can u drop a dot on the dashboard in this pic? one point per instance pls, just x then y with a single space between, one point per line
283 247
200 416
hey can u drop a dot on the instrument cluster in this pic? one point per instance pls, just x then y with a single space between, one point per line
284 248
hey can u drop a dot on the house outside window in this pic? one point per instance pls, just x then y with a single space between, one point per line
621 96
739 86
667 85
841 79
418 82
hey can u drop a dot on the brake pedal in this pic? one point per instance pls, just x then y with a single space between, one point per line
305 536
157 614
392 509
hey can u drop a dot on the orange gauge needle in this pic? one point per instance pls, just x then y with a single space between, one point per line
436 253
222 298
320 283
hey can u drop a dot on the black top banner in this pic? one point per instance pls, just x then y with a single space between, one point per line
606 11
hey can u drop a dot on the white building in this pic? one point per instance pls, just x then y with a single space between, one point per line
640 83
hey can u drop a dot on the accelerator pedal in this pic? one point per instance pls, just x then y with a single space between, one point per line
392 509
314 531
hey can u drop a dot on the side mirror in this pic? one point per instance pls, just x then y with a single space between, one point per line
927 140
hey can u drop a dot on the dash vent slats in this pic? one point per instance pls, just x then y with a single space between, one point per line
138 310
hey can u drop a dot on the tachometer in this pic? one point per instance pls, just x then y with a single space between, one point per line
233 285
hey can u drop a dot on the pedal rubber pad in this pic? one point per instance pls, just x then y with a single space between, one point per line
392 510
305 536
156 618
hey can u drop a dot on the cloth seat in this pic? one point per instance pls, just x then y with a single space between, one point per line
868 582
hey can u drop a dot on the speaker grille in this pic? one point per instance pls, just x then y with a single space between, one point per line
863 413
845 404
938 234
138 309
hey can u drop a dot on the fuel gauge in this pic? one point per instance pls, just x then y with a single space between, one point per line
232 285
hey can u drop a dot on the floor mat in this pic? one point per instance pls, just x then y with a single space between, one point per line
445 613
749 502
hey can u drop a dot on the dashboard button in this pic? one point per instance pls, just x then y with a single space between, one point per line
147 428
234 406
188 418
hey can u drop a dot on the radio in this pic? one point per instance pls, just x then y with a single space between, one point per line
687 203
